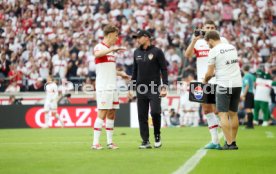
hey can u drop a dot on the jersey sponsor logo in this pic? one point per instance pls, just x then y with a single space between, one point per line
225 51
104 59
198 92
73 116
202 53
232 61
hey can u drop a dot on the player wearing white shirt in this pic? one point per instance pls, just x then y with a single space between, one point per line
200 49
107 95
51 100
223 62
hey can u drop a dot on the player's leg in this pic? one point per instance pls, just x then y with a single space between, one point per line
55 113
223 103
265 109
212 122
257 107
155 105
110 117
47 114
209 113
225 126
233 114
248 105
102 105
143 110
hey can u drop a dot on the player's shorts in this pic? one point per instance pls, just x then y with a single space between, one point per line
228 99
249 101
108 99
50 105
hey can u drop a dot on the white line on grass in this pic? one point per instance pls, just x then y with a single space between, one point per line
269 134
192 162
36 143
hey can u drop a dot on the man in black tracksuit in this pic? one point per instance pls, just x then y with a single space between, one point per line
149 65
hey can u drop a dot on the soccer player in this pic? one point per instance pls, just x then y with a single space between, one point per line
200 48
107 95
51 100
223 62
247 96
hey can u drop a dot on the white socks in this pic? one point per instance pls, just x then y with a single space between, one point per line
97 130
213 127
109 130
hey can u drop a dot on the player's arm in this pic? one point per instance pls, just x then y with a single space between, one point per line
190 50
123 75
211 68
100 53
209 74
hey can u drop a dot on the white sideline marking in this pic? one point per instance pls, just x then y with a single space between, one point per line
27 143
192 162
269 134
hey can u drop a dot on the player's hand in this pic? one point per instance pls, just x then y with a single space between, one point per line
116 49
163 92
195 38
242 98
125 76
130 94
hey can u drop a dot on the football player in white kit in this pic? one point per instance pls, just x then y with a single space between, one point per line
200 49
106 90
51 100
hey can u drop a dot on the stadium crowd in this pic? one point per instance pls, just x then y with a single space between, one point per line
42 37
38 38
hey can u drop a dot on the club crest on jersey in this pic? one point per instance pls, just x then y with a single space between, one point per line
198 92
150 56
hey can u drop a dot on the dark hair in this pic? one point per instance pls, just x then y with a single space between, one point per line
246 68
210 22
214 35
110 29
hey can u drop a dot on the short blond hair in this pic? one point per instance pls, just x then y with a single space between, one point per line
110 29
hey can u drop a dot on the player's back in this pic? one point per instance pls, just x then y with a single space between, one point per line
225 58
51 91
201 51
105 69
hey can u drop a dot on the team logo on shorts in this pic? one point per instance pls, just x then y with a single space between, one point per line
198 93
150 56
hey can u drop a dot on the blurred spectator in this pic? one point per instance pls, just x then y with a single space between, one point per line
57 36
174 118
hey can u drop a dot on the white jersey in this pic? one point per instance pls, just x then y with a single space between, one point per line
51 92
225 58
201 50
263 89
105 69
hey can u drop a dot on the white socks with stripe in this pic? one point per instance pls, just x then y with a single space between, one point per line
213 127
97 130
109 130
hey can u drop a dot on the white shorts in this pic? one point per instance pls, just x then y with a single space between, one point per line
108 99
50 106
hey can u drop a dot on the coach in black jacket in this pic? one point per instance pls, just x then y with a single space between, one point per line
149 64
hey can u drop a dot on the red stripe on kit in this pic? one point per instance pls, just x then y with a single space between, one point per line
108 128
104 59
212 127
201 53
97 129
115 103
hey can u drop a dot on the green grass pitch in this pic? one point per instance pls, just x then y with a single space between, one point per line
58 151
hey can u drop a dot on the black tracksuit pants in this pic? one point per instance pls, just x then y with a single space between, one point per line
143 103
